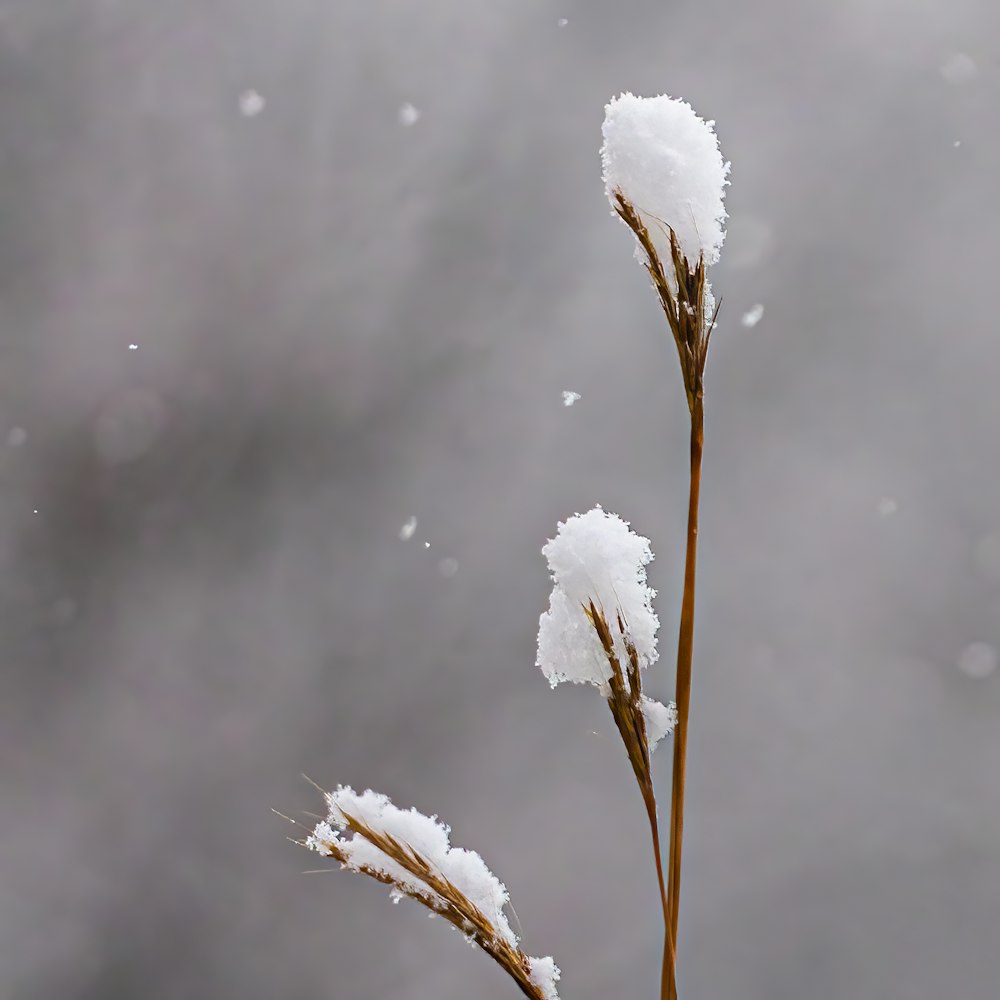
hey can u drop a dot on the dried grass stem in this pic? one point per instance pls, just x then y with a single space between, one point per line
682 293
625 702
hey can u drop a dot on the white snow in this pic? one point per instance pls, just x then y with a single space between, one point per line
448 566
408 115
133 347
660 720
753 315
544 974
16 437
407 530
569 397
251 103
429 838
562 22
595 557
666 162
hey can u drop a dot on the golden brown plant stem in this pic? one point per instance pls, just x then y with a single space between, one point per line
685 647
669 957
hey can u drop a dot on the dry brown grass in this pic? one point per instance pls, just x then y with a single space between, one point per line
443 898
682 299
682 296
625 702
682 293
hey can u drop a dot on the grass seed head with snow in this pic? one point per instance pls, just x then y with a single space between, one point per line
600 628
665 179
595 557
412 853
665 160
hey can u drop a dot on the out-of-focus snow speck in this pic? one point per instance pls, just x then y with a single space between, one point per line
987 555
749 243
408 115
406 532
887 506
133 347
978 660
448 567
129 424
17 437
569 397
753 315
251 103
957 143
959 67
562 22
63 611
427 545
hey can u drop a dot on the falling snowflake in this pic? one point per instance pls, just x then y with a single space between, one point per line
408 115
406 532
251 103
987 555
958 68
569 397
887 506
978 660
753 315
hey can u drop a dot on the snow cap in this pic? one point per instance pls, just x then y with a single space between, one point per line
660 719
666 161
544 974
428 837
595 557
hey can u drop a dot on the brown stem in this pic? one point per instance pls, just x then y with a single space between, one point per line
685 647
669 956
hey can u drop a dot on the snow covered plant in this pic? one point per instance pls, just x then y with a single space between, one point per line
411 852
597 563
665 179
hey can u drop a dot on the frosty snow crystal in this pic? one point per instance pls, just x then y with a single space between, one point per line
595 557
666 161
600 597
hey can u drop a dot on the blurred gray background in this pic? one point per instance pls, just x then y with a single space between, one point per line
277 277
